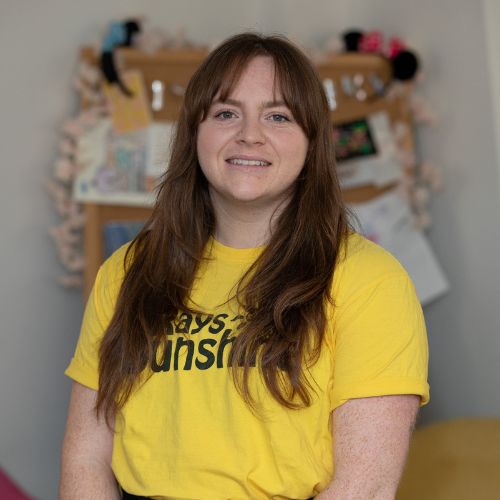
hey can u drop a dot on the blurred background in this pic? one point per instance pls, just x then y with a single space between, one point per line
457 41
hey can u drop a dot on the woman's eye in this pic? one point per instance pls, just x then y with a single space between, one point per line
224 115
278 117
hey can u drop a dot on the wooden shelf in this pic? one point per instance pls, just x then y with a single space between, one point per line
96 216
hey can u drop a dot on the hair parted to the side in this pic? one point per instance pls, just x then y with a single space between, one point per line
286 290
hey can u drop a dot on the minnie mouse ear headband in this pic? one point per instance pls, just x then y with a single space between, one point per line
405 63
119 34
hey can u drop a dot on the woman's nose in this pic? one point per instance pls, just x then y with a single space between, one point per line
251 131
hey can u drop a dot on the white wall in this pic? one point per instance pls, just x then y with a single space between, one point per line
40 321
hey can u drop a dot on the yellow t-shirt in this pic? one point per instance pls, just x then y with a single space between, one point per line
187 434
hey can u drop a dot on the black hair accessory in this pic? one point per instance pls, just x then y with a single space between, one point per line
120 34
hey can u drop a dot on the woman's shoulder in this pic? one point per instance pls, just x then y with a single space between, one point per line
363 263
357 250
112 271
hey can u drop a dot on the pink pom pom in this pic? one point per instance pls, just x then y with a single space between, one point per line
437 182
423 221
400 130
432 175
422 111
396 90
75 220
427 170
73 128
64 170
62 207
67 147
87 93
406 158
71 281
76 263
151 40
88 118
405 187
396 45
371 42
334 45
89 73
421 197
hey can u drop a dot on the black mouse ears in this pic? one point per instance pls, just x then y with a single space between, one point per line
405 63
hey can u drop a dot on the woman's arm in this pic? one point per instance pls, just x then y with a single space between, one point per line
371 440
86 453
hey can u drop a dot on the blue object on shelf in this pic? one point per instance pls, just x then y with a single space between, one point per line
118 233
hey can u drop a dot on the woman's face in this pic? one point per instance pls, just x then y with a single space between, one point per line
250 147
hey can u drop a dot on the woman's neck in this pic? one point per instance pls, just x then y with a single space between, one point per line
243 226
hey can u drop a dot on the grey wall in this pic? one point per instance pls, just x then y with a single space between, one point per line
40 321
203 21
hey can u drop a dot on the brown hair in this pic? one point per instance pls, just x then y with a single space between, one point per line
285 291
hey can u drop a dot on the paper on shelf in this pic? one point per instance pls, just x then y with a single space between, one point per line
129 113
387 220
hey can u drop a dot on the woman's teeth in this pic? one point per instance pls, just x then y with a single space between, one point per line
256 163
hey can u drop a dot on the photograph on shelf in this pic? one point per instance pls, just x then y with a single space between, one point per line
353 140
366 152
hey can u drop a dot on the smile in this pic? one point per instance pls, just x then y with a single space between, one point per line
253 163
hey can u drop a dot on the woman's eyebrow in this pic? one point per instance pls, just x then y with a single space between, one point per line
234 102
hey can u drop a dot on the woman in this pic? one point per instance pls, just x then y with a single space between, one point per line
247 339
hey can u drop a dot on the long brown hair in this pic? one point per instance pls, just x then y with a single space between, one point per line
285 291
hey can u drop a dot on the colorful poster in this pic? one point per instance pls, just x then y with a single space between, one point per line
121 168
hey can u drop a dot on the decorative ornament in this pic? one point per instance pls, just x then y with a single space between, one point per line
68 234
404 62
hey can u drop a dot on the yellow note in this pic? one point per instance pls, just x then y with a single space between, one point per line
129 113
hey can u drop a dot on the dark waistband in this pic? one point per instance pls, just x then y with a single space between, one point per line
128 496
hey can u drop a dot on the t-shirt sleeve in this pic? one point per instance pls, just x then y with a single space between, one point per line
380 345
84 366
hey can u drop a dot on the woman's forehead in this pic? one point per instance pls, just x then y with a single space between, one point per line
251 69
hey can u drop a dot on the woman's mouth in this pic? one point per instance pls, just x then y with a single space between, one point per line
249 163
